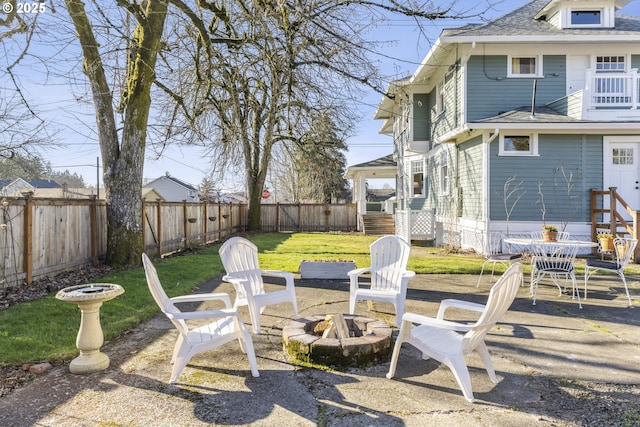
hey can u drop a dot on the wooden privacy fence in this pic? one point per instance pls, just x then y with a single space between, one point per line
40 237
308 217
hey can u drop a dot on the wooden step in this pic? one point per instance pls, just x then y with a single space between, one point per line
378 224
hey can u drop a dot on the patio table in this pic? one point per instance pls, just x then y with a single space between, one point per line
558 243
544 251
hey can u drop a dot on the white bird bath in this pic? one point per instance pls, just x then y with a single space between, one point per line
90 338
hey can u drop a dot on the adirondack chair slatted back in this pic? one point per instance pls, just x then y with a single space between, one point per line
501 296
160 296
240 258
389 257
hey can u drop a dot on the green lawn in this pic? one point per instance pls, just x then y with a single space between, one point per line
46 329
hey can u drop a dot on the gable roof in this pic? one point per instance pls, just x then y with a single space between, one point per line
521 25
386 161
44 183
175 180
383 167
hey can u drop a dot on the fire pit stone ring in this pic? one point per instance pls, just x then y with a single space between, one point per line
370 342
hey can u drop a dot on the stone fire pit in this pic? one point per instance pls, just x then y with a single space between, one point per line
369 342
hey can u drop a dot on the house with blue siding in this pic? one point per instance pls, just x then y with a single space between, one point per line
509 124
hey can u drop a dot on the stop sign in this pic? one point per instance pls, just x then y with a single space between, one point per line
265 194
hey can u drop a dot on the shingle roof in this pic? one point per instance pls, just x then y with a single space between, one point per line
523 115
180 182
521 23
381 162
44 183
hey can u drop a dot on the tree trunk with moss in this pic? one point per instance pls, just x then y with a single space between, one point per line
123 161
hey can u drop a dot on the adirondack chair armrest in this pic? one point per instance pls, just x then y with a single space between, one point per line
353 278
288 276
239 283
358 271
438 323
204 314
204 297
456 303
408 274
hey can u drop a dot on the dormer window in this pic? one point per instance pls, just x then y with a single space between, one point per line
565 14
586 18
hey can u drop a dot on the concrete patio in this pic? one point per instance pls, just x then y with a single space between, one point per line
554 362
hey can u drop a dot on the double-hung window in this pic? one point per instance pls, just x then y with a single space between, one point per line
444 173
417 178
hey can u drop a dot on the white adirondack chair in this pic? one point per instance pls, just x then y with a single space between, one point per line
192 340
240 259
389 275
449 342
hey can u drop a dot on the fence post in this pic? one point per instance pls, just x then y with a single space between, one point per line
594 217
205 222
219 221
613 201
185 223
636 235
93 218
27 258
327 214
159 226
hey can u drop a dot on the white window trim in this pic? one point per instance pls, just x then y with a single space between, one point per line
533 149
586 9
440 99
411 174
594 64
537 74
444 157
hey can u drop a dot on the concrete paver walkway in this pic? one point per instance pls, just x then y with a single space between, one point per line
541 354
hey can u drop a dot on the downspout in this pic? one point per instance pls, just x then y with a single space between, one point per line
486 169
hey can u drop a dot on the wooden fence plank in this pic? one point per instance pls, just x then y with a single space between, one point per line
48 236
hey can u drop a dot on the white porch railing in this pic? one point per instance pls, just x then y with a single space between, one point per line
613 90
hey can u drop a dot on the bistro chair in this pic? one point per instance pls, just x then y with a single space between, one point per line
624 249
223 325
239 257
556 260
449 342
494 254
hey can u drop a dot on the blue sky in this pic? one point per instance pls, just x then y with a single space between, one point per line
79 148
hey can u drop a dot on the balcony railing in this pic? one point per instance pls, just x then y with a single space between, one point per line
613 90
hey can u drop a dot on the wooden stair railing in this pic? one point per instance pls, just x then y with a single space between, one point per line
615 217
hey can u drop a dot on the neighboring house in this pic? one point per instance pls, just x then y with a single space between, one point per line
172 189
150 195
509 124
18 186
12 188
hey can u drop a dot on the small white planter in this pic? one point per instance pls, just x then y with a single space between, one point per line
326 269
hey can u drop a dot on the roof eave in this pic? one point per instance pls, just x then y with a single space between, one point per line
574 126
591 38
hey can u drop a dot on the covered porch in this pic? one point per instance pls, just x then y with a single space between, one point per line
381 168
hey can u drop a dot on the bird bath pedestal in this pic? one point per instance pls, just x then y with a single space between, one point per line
90 338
